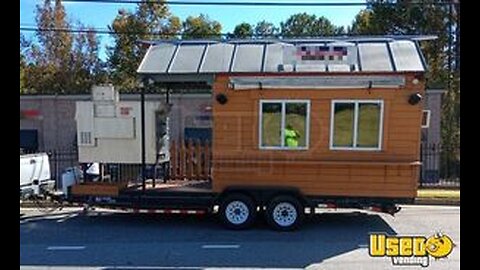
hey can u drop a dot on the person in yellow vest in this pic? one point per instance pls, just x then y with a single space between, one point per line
291 136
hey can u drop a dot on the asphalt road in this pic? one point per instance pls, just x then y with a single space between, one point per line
107 241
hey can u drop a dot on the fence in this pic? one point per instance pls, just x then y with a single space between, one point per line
59 159
190 160
440 166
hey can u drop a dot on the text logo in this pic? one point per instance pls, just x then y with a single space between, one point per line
410 250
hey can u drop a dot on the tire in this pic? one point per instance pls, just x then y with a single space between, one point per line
285 213
238 211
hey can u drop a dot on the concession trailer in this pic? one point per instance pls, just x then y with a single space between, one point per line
298 124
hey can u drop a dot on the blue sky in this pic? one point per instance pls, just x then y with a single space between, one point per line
99 15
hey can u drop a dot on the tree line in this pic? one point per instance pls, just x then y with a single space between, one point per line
64 62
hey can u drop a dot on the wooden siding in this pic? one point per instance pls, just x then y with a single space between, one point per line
389 172
98 188
317 178
190 161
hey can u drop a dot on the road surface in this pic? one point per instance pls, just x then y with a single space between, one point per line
106 240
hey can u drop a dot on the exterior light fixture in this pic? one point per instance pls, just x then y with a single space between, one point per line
221 98
414 99
417 78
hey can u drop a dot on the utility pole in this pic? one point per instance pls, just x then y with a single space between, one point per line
142 112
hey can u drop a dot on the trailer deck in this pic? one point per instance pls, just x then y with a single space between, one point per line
192 195
171 186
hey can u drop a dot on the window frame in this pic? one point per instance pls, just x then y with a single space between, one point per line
429 114
283 103
356 103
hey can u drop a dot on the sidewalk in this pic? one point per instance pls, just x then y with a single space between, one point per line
438 197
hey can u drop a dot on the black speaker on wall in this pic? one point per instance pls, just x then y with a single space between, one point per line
221 98
414 99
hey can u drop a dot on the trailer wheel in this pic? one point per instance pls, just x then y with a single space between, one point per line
285 213
237 211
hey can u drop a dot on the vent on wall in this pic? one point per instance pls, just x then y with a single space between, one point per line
86 138
425 118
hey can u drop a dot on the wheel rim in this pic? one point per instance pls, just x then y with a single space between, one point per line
285 214
237 212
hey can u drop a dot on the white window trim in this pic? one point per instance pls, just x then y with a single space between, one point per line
355 125
282 124
429 113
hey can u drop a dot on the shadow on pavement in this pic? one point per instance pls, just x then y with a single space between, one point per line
113 239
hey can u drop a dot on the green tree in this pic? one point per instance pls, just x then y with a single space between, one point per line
55 45
59 62
265 29
425 17
22 76
48 70
362 24
201 27
86 66
151 20
407 18
303 24
24 44
243 30
340 30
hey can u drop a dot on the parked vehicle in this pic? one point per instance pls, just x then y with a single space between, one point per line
35 177
297 125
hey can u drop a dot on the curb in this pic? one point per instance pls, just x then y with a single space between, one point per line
437 201
45 204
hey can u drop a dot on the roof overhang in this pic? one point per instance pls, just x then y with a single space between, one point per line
436 91
200 60
317 82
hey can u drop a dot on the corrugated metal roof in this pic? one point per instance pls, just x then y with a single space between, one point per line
375 57
403 52
248 58
187 59
157 59
301 55
217 58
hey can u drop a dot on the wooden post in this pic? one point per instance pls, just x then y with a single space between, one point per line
198 158
142 122
207 160
189 159
101 172
182 159
173 160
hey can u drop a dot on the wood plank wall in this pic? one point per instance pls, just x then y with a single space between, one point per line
390 172
190 160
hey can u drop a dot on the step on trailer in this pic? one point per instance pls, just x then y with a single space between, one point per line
298 124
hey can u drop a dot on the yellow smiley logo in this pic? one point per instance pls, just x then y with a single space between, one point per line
439 246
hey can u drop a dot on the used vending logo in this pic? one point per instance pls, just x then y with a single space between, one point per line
410 250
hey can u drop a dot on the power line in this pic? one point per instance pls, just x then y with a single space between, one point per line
168 34
96 31
109 32
265 4
219 3
102 31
